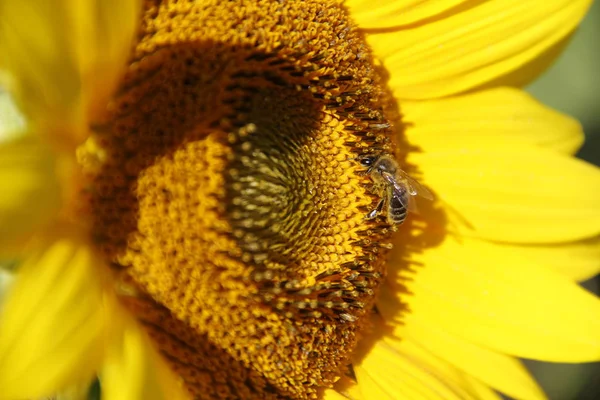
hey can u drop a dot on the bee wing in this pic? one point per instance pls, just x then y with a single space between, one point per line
414 187
401 192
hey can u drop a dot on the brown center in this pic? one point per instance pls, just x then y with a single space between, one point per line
230 198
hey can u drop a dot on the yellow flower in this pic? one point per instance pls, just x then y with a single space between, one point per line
207 200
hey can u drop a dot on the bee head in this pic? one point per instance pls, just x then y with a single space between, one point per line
386 163
367 161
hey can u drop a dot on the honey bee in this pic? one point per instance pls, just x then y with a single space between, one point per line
398 188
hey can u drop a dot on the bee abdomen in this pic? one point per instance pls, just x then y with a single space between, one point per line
397 211
397 215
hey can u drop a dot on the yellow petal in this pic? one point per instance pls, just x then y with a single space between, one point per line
51 328
12 123
76 392
373 390
388 371
473 44
346 387
30 191
501 115
7 278
480 390
500 371
390 13
132 369
64 58
578 261
481 293
462 385
331 394
519 194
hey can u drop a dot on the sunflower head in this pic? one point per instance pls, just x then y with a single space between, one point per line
226 191
230 196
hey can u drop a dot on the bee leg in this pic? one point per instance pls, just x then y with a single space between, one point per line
375 188
372 214
371 188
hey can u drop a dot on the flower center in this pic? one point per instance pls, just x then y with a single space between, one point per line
230 197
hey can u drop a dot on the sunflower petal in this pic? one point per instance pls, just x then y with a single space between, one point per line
519 194
26 177
500 371
390 13
7 278
373 390
446 372
480 390
12 123
331 394
501 115
386 370
473 44
488 296
76 392
578 261
132 370
346 387
64 58
52 324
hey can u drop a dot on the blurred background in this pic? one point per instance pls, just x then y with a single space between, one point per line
572 86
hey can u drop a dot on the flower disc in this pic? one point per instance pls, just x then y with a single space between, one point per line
227 194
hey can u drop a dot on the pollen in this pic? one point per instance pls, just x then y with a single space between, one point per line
229 199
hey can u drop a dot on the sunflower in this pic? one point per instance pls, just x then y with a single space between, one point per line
196 217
